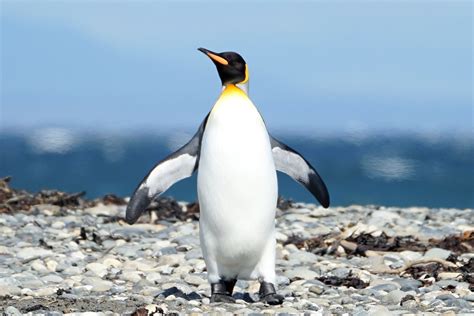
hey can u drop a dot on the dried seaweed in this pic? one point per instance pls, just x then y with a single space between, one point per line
317 245
13 200
456 244
385 243
427 270
285 204
168 209
349 281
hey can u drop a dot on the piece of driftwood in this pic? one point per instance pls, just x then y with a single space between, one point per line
410 264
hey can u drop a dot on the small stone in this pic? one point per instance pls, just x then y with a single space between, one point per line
244 311
301 273
408 255
448 275
46 291
447 283
152 277
128 250
39 266
195 253
183 270
171 260
408 284
52 278
98 269
5 251
154 309
379 311
12 311
341 273
51 265
285 311
32 283
29 253
132 276
387 287
316 289
140 265
303 257
165 270
410 304
112 263
194 279
445 297
282 280
104 210
460 303
437 253
280 237
167 251
81 290
98 285
394 297
469 297
11 290
58 225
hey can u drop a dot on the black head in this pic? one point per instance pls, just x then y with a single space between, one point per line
231 66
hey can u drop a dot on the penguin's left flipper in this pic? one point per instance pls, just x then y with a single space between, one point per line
293 164
179 165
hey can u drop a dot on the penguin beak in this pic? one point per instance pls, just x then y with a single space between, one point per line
214 56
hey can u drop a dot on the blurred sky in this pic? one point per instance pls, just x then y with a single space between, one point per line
325 65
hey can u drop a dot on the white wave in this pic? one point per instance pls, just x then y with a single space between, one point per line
389 168
356 132
53 140
113 148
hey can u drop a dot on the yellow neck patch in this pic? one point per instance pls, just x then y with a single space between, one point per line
232 90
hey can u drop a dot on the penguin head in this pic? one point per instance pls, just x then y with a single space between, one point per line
231 67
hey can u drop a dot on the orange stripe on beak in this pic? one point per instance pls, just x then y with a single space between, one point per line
218 59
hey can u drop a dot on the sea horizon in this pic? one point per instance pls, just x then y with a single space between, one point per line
360 166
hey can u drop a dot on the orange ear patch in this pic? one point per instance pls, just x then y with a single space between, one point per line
219 59
246 74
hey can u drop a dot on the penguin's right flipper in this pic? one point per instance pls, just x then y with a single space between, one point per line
179 165
293 164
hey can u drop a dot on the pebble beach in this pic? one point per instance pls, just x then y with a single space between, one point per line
354 260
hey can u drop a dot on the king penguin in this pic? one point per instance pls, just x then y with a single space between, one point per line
236 160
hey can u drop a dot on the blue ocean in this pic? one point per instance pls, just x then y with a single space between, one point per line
392 169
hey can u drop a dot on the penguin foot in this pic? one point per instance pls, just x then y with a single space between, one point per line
222 298
268 294
221 292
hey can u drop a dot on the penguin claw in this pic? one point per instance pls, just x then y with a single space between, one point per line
222 298
273 299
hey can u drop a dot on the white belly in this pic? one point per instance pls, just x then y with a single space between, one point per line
237 188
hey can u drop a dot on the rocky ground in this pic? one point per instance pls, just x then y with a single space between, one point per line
60 254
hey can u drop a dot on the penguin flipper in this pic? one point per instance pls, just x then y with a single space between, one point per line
179 165
293 164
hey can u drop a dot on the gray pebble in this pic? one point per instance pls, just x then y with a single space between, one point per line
408 284
341 272
166 251
469 297
410 304
301 273
445 297
388 287
437 253
12 311
446 283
